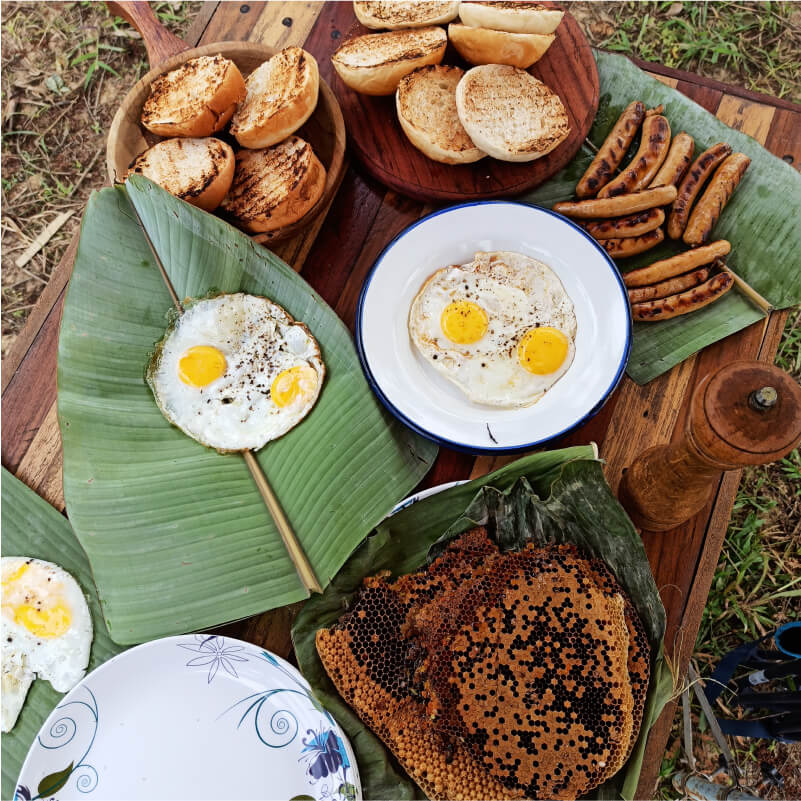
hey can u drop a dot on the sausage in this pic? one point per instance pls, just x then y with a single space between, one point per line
606 161
632 245
678 160
657 110
653 148
701 169
706 213
676 265
632 225
685 302
670 287
596 208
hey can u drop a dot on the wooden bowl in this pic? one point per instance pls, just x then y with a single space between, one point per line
324 130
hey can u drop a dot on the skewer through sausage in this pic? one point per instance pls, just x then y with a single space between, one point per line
689 188
606 161
707 212
684 302
670 287
596 208
676 265
653 149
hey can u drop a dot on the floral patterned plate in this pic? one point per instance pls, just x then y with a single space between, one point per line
191 717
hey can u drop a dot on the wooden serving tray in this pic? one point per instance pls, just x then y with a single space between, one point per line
568 67
324 130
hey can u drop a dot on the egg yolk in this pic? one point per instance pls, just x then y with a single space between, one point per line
200 365
293 383
542 350
41 619
463 322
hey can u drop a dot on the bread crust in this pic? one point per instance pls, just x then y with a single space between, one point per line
510 114
513 17
374 64
394 15
274 187
485 46
199 171
426 106
281 95
197 99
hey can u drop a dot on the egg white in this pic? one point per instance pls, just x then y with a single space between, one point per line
517 293
259 340
61 659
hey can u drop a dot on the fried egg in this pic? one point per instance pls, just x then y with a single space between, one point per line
235 372
502 327
47 631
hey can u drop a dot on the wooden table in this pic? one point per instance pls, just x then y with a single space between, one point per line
334 257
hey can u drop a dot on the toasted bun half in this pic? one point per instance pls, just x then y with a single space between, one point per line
196 99
510 114
485 46
281 96
199 171
511 17
426 103
275 186
378 14
373 64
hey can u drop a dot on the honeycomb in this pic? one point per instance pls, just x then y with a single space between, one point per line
496 675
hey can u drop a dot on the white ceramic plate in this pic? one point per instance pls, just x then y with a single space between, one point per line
426 493
192 717
436 408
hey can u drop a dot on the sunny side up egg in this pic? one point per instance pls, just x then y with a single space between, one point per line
47 631
502 328
235 372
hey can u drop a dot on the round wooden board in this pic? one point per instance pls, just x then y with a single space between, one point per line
324 130
376 137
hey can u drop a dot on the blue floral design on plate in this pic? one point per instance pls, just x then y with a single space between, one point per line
214 652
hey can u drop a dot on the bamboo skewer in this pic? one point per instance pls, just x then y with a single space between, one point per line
291 543
748 290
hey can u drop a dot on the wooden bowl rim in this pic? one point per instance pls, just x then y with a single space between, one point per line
333 171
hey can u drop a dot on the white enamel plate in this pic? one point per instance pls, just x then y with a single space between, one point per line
415 393
192 717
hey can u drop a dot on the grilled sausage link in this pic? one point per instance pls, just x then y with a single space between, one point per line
596 208
632 245
685 302
670 287
676 265
707 212
653 148
600 171
689 188
678 160
632 225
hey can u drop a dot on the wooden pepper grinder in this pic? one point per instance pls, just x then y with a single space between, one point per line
745 413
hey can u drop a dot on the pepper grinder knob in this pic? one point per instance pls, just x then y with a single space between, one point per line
745 413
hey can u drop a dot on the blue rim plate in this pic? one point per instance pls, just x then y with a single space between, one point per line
193 717
430 405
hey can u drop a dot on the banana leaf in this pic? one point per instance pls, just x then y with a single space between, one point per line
32 527
578 507
762 220
177 534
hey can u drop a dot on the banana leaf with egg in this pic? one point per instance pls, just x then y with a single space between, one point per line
557 496
762 220
177 534
32 527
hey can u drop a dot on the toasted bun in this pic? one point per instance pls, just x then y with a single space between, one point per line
485 46
378 14
274 187
281 96
197 99
426 103
374 64
199 171
511 17
510 114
